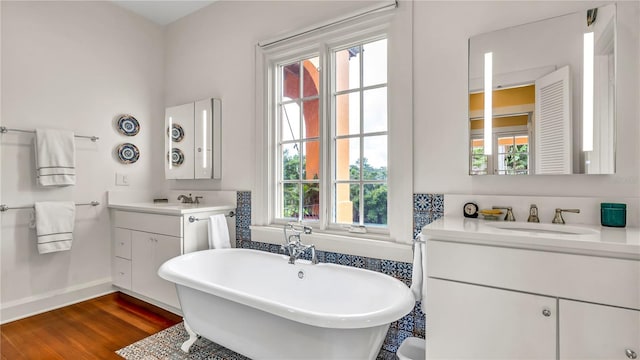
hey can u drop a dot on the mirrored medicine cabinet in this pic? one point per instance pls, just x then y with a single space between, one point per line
542 96
193 140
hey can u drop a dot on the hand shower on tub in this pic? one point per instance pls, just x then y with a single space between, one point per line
293 244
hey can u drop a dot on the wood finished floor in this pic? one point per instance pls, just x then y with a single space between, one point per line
92 329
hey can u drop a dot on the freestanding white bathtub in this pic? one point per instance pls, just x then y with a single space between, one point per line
257 304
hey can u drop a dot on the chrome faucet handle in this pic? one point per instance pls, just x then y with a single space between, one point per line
197 199
558 219
509 216
533 214
185 199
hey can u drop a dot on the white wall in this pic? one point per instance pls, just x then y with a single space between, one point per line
74 66
441 32
212 53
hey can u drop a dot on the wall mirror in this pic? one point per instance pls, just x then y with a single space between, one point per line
542 96
193 140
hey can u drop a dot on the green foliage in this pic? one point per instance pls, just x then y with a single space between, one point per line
374 196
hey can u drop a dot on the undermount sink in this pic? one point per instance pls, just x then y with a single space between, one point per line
554 229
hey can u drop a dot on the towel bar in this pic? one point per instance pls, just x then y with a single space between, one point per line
4 207
4 129
194 219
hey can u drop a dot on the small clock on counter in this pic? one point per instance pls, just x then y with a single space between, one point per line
470 210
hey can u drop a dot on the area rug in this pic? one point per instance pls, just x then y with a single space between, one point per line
165 345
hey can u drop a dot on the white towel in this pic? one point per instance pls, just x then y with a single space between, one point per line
55 157
54 225
417 276
218 232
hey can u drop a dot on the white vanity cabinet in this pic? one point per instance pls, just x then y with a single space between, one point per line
144 241
494 297
479 322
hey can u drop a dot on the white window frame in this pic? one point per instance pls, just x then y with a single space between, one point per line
400 151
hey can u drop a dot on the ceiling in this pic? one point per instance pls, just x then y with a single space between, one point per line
163 12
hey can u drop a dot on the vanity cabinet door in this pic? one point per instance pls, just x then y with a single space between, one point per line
591 331
477 322
149 251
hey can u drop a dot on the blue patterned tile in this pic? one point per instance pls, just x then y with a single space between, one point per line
344 259
421 218
421 202
419 326
320 256
437 206
358 261
246 244
331 257
273 248
417 309
402 335
388 267
386 355
391 341
373 264
404 270
406 323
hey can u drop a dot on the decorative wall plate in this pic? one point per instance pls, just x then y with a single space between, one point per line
177 157
128 125
177 133
128 153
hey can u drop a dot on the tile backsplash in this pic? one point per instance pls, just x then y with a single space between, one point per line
426 208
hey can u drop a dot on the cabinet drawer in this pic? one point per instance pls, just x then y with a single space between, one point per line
153 223
588 278
122 273
122 243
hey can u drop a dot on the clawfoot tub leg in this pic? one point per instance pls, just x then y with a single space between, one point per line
192 338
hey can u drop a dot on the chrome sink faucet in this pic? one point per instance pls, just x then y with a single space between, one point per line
533 214
187 199
293 244
509 216
558 219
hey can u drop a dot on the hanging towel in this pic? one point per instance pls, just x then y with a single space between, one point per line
54 225
417 276
218 232
55 157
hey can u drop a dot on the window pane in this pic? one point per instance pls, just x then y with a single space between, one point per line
347 203
347 69
375 110
375 204
311 116
347 157
290 200
290 122
311 78
291 81
479 164
374 159
348 114
311 201
290 161
374 63
311 160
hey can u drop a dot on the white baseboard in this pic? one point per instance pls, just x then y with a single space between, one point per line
151 301
33 305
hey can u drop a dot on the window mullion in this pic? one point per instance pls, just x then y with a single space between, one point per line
361 105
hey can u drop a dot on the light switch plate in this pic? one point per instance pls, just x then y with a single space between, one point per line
122 179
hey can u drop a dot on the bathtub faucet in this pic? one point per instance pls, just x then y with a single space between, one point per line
293 244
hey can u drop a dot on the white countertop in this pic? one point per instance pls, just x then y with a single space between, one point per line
591 240
170 208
